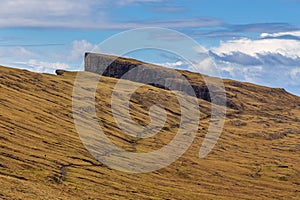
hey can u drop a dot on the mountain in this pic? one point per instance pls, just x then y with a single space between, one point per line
43 157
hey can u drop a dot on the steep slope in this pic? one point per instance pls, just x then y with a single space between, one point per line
42 156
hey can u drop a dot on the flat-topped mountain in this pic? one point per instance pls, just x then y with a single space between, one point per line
42 156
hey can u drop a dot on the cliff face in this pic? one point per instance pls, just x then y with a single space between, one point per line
141 72
239 96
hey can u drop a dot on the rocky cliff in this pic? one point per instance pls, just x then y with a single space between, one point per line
154 75
164 78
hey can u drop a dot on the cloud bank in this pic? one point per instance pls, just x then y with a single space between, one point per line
90 14
271 60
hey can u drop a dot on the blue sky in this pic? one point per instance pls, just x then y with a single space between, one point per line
254 41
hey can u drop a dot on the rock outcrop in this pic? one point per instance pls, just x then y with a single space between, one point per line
59 72
166 78
154 75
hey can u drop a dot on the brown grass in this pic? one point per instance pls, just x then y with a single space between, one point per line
257 156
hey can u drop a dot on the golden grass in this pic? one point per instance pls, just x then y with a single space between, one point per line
257 156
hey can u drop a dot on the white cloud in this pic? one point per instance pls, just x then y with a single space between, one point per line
16 52
288 48
206 66
32 58
292 33
51 13
252 74
79 47
89 14
272 60
127 2
37 8
295 74
42 66
177 64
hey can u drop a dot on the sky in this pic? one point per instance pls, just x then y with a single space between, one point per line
253 41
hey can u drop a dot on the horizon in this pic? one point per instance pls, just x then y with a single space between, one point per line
248 42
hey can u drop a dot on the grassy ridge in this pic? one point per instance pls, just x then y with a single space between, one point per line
42 157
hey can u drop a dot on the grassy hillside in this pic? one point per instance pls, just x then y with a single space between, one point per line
42 156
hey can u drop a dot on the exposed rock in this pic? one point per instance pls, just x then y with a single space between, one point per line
154 75
166 78
60 72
